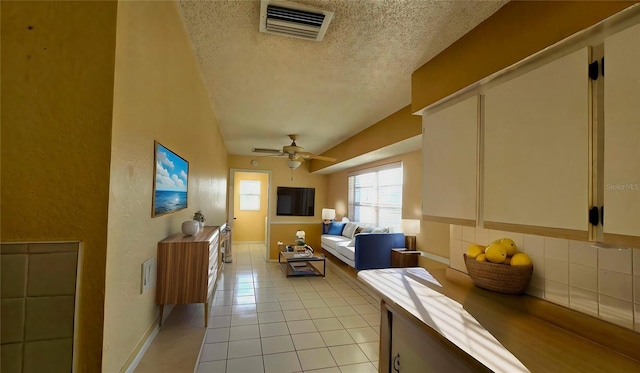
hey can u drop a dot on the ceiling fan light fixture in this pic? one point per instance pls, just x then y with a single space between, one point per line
293 164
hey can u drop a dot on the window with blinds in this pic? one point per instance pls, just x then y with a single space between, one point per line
375 196
250 195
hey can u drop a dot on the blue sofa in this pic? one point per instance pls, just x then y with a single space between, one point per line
364 250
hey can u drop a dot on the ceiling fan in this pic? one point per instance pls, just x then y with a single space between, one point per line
295 153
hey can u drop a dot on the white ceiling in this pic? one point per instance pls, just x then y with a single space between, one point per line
263 86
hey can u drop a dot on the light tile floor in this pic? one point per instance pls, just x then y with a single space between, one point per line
262 321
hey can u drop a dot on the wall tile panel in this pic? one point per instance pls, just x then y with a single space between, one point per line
11 361
13 275
12 320
51 356
52 274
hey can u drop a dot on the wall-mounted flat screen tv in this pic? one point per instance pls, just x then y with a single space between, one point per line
295 201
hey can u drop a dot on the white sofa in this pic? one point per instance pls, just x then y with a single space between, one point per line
369 249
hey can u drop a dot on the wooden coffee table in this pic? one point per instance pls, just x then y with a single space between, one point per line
295 264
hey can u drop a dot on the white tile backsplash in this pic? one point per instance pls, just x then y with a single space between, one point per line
494 235
455 232
615 284
597 282
556 270
456 260
584 301
536 287
617 311
556 292
538 265
556 248
469 234
533 245
482 236
583 277
583 253
636 289
618 260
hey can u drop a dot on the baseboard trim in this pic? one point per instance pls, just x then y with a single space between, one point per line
145 342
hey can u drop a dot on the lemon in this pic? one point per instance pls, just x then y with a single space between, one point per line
507 260
481 258
520 259
474 250
510 245
496 253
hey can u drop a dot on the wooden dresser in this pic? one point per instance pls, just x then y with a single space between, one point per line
187 269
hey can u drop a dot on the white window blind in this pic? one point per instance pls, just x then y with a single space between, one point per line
375 196
250 195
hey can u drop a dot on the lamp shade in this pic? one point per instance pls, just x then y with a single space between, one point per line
410 226
293 164
328 214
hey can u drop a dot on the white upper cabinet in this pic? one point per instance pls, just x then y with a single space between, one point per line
536 150
449 153
622 138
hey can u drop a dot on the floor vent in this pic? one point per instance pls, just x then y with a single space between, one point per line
293 20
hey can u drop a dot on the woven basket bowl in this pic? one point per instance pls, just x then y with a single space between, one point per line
501 278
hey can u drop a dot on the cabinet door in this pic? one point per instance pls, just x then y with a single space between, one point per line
622 138
449 158
414 350
536 171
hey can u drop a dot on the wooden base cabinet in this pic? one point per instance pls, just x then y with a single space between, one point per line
406 348
187 269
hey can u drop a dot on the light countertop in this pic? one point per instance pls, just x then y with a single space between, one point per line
542 336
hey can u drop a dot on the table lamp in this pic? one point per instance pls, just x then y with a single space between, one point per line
410 227
327 217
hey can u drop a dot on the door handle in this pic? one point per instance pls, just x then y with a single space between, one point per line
396 362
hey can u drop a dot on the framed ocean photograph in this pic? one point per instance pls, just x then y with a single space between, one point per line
170 181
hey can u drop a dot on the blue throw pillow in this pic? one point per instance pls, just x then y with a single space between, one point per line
335 229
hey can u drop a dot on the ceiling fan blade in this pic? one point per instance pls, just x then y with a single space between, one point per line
318 157
268 151
322 158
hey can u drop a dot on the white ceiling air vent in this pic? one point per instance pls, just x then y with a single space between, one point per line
293 20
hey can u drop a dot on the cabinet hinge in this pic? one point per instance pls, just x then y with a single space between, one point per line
594 216
594 70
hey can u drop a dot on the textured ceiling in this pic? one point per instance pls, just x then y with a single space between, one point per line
263 86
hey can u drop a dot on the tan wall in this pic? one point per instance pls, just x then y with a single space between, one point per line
283 228
57 91
398 126
433 237
158 95
249 226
